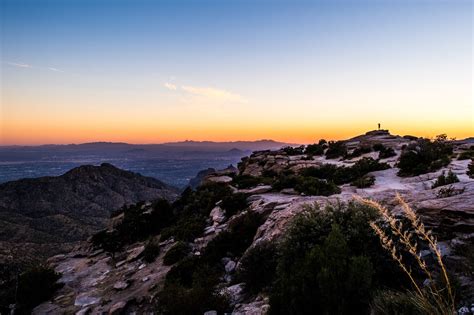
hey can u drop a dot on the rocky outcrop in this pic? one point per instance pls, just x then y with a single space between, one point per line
99 284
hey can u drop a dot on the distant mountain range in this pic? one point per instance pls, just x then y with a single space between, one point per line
43 216
163 147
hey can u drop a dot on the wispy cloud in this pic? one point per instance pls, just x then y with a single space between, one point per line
214 94
170 86
20 64
26 65
55 69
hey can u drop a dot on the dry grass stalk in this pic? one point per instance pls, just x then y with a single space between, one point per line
423 299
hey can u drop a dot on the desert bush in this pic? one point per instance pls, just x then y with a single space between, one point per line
236 239
190 289
341 174
234 203
364 181
466 155
187 228
258 266
152 250
443 179
470 169
316 148
336 149
384 152
316 187
362 149
36 285
246 181
294 150
330 262
449 191
177 252
424 156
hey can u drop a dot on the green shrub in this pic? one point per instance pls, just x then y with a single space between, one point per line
258 266
36 285
152 250
342 175
294 150
363 149
449 191
384 152
331 262
234 203
336 149
236 239
424 156
316 187
445 180
138 224
316 148
364 181
466 155
189 289
246 181
470 169
186 229
177 252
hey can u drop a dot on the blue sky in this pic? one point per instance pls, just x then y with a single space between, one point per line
151 71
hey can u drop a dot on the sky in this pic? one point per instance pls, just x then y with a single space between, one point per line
155 71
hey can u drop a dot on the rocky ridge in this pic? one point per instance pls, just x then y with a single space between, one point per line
94 283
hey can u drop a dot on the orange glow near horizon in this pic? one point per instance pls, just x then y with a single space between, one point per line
30 133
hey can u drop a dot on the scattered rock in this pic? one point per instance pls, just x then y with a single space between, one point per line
134 253
121 285
84 300
230 266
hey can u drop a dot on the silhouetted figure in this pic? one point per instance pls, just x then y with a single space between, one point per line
379 126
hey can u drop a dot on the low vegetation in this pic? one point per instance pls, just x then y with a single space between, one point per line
258 266
443 179
384 152
467 155
177 252
470 169
316 148
336 149
364 181
331 262
32 287
425 156
190 284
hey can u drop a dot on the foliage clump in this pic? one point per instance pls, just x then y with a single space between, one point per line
190 285
177 252
424 156
443 179
151 251
330 262
316 148
384 152
364 181
258 266
470 169
35 285
336 149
